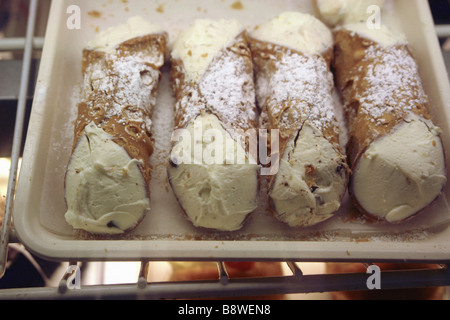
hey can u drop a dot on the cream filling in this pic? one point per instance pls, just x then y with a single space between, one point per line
105 190
109 39
298 31
382 35
336 12
311 181
212 176
401 173
202 41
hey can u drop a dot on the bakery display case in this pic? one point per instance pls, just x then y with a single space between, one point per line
159 259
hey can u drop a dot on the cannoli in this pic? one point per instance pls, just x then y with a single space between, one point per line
342 12
108 175
294 88
395 151
212 171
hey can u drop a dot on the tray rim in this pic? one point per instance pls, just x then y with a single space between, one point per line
38 240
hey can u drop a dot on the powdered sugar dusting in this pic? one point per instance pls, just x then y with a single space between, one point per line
226 89
393 83
127 83
304 80
229 90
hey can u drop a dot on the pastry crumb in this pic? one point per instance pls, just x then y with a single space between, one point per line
95 14
160 8
237 5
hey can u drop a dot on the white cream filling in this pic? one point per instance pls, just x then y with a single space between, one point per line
109 39
401 173
336 12
202 41
383 35
105 190
298 31
311 181
212 176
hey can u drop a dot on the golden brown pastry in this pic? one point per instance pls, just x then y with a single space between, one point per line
395 150
212 172
108 176
291 54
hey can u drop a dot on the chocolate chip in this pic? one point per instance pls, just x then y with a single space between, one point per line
111 224
173 164
340 169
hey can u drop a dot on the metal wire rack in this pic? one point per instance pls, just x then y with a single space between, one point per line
223 286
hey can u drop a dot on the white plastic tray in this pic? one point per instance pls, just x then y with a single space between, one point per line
165 234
